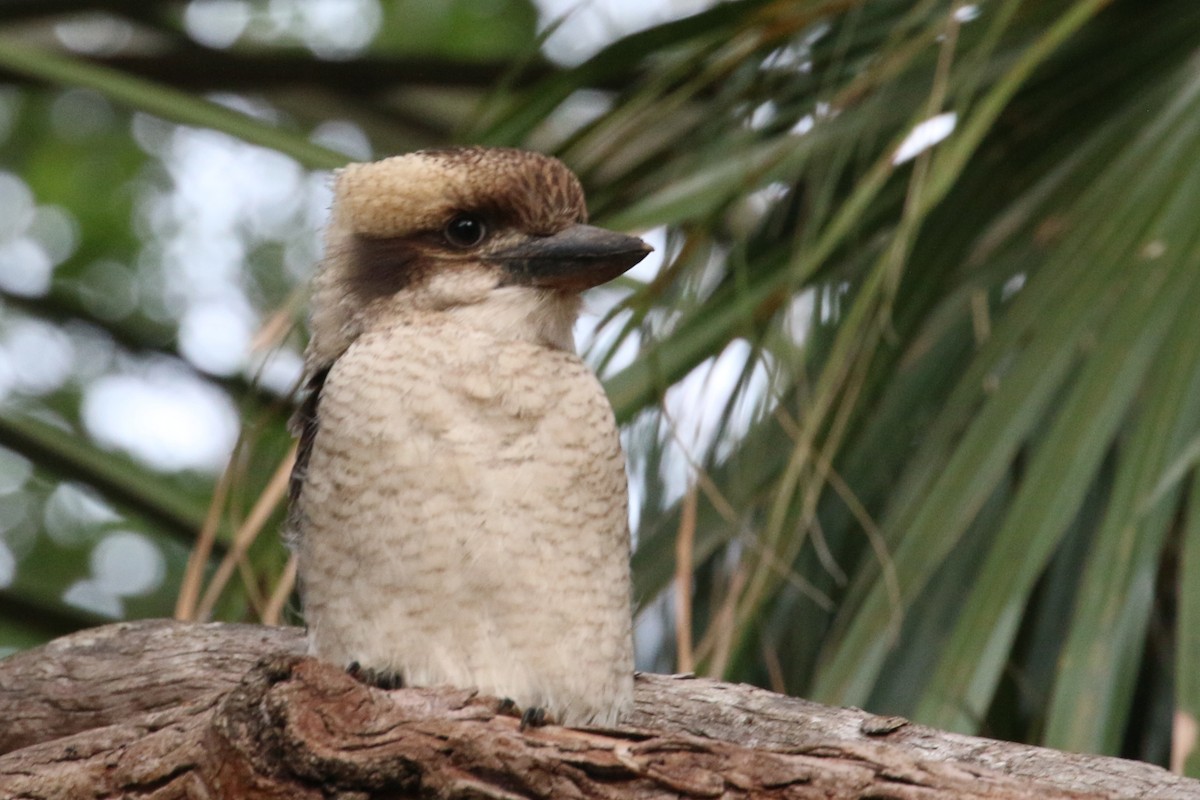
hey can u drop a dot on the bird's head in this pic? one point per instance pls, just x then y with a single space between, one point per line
494 235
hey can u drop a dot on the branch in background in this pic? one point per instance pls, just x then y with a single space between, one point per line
200 69
48 618
71 457
57 68
14 10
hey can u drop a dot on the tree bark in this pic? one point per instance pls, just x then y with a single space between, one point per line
171 710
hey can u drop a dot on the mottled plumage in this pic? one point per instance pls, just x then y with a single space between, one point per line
459 500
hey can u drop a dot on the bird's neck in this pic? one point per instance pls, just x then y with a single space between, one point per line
470 303
513 313
524 314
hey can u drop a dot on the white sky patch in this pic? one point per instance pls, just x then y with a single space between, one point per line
15 470
588 25
227 197
215 336
803 125
216 23
745 217
202 212
56 230
1011 286
6 379
8 565
650 631
126 564
221 183
88 595
164 417
277 371
798 319
188 283
19 529
648 268
763 115
72 512
345 137
635 471
25 267
595 342
16 205
40 357
93 352
329 28
967 13
577 110
301 253
924 136
94 34
33 239
693 409
795 56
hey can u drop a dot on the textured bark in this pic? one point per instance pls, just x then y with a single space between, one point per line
163 709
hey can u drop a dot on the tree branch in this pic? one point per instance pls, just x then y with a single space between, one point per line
197 69
169 709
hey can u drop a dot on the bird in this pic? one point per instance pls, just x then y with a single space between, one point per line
459 501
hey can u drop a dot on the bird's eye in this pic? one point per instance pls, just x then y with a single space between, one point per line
466 230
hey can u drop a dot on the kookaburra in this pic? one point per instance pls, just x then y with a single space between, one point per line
459 497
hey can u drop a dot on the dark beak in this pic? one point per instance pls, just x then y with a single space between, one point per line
573 259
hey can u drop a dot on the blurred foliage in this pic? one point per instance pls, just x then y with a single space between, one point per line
912 406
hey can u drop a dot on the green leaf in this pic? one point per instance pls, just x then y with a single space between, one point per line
1030 354
1101 659
1187 677
1062 468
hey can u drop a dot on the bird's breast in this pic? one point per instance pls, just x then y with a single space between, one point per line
464 517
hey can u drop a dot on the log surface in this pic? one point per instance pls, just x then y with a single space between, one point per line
164 709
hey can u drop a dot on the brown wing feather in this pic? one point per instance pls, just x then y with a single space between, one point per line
304 424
